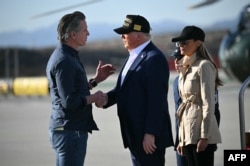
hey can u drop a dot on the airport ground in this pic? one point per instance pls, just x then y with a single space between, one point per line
24 129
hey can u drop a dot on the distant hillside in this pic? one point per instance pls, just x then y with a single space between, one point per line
32 62
47 37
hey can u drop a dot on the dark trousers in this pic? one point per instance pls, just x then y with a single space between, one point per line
204 158
140 158
70 147
181 160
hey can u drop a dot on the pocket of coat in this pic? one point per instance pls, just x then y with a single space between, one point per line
194 111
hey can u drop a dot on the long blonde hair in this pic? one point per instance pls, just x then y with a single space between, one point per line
202 52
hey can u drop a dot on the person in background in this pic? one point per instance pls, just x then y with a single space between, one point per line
71 117
181 160
198 131
141 95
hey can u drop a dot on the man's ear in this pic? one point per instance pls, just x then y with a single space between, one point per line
73 34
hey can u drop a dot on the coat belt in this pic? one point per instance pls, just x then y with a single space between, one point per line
185 103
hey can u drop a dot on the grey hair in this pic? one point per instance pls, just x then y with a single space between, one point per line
146 36
69 23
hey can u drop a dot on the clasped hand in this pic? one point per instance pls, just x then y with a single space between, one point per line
101 99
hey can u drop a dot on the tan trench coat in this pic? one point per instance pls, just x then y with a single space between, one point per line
196 113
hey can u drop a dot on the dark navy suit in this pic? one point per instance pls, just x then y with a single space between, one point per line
142 103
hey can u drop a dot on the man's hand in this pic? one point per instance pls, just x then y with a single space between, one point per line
103 101
103 72
149 143
99 98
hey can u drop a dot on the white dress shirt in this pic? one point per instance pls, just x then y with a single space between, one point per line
132 56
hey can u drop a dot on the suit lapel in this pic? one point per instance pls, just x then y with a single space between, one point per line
136 63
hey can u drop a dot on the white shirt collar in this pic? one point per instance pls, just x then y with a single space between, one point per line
138 49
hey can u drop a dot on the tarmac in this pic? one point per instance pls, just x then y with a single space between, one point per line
24 139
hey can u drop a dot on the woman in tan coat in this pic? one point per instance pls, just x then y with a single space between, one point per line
198 82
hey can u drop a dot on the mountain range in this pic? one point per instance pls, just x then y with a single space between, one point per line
47 37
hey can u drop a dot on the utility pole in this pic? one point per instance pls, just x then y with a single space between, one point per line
16 63
7 64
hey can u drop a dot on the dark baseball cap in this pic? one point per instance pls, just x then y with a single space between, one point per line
190 32
135 23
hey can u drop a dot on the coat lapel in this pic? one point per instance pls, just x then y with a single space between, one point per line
136 63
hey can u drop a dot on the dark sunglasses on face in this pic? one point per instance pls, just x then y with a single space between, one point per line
182 43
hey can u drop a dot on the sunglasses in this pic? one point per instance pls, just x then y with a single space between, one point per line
182 43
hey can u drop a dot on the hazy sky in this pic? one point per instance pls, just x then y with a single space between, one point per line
16 14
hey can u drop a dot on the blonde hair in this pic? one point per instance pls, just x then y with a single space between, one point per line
203 53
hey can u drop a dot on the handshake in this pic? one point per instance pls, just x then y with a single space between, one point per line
100 99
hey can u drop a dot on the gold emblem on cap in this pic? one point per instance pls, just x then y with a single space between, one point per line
127 22
137 27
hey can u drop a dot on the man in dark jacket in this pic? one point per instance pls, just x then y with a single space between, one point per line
71 118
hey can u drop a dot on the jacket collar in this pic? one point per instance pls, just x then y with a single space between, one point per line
139 49
140 57
188 61
69 49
